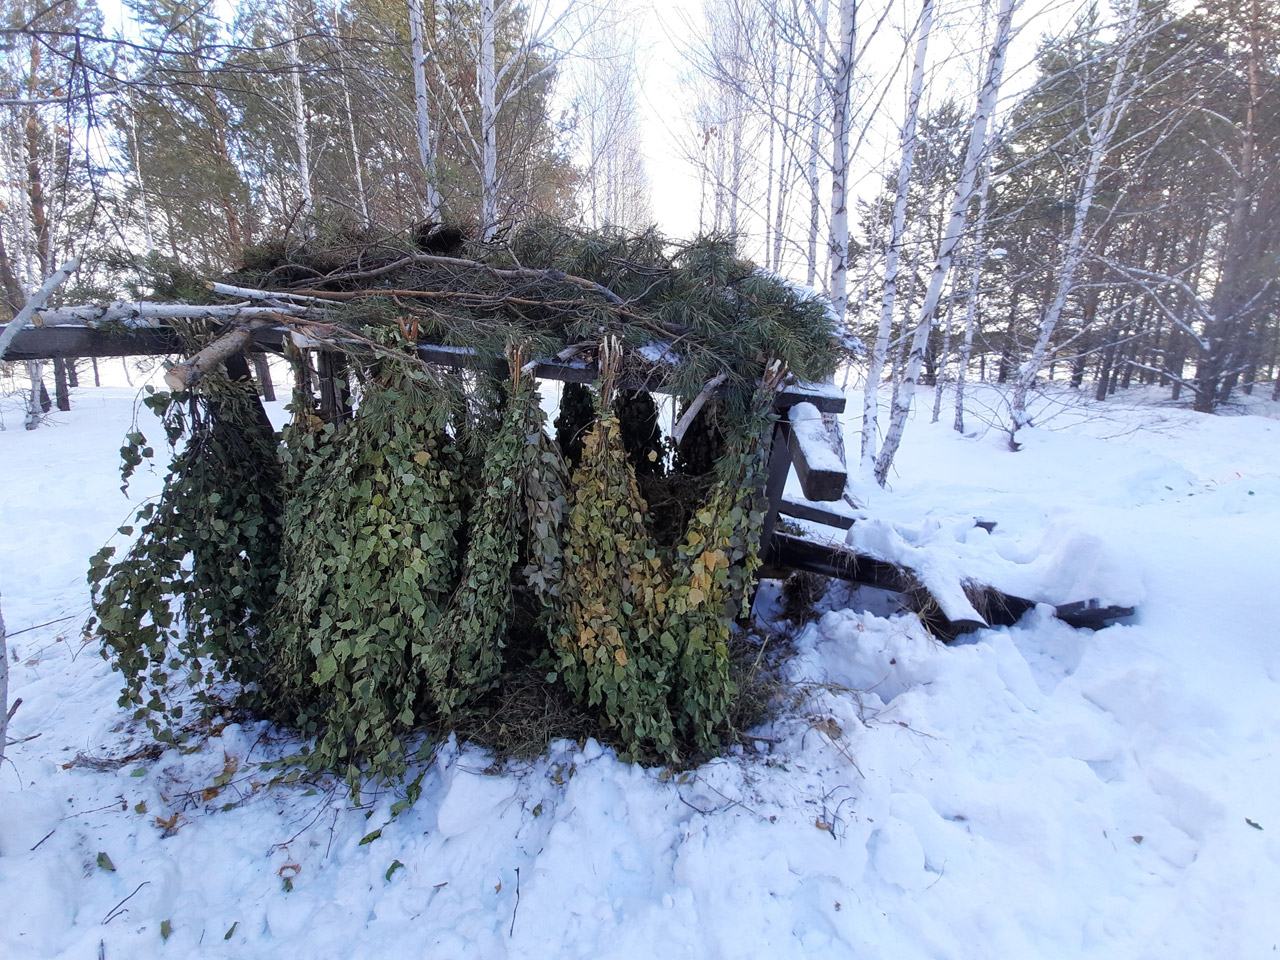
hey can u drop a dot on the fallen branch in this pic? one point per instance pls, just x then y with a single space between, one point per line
35 302
143 312
184 375
698 403
253 293
516 273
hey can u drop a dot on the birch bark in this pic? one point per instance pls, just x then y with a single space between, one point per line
974 156
1100 142
815 149
971 305
889 294
426 150
488 81
841 119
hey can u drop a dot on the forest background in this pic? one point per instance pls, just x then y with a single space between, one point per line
1000 190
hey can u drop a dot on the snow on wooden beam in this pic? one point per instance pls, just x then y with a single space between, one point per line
818 461
787 552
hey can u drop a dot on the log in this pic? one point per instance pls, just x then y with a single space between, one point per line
185 375
34 304
68 333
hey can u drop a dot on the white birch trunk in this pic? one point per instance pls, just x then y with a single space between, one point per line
488 81
35 370
971 306
1100 142
839 242
362 195
974 156
889 293
815 148
940 372
426 149
301 139
147 234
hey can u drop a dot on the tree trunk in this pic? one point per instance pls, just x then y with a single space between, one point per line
897 228
974 156
971 305
1099 143
840 158
300 139
488 123
940 365
61 387
262 370
426 147
815 145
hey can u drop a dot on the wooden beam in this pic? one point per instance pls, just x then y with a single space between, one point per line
776 480
787 552
70 341
820 482
805 511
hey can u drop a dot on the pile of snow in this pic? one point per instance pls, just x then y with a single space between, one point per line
1038 792
1060 563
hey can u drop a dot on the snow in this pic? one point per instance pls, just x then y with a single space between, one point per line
659 351
814 440
1036 791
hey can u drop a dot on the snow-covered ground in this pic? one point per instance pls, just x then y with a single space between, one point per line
1033 792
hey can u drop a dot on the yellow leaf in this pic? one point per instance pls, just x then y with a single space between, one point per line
696 596
422 458
620 655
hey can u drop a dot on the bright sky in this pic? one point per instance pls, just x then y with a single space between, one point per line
666 25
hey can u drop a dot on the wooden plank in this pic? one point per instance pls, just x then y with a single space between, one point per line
826 402
776 481
787 552
819 482
806 511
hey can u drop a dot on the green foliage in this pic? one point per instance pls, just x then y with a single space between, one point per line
714 569
613 594
463 657
370 575
369 561
644 640
187 605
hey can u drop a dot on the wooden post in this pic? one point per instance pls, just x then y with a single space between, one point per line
262 370
60 388
779 469
335 398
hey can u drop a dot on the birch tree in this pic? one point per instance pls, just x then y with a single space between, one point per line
1100 137
536 42
988 96
842 121
422 108
889 293
614 187
977 258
